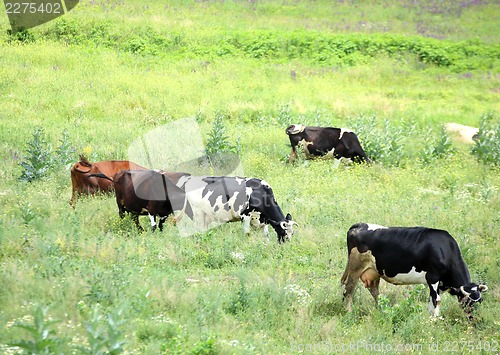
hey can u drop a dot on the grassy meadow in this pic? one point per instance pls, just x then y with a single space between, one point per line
108 72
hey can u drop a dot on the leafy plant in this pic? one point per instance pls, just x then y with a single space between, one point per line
487 143
441 147
285 116
22 36
42 333
38 159
219 151
206 347
382 143
66 151
241 301
400 313
103 339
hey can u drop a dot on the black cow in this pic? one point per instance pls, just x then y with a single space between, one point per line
221 199
404 256
320 141
149 192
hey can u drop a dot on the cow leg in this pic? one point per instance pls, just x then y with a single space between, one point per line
349 280
434 299
152 218
162 220
72 201
350 283
374 290
246 223
293 155
135 218
266 231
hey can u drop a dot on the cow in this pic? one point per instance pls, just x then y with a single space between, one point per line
221 199
83 183
149 192
465 134
325 141
408 255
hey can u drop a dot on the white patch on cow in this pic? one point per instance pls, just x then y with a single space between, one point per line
297 128
304 144
374 227
152 219
330 153
206 213
410 278
264 183
344 130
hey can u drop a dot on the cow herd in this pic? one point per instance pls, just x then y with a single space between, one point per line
398 255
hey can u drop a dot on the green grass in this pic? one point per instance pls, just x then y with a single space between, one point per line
223 292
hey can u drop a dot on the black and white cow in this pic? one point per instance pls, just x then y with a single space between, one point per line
403 256
320 141
221 199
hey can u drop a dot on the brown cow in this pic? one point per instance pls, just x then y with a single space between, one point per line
149 192
83 183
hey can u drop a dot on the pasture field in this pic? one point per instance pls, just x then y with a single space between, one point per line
108 72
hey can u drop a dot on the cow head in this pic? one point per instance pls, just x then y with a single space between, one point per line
284 229
469 295
295 129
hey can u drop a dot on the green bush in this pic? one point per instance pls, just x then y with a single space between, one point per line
487 143
219 151
440 147
38 159
43 335
381 143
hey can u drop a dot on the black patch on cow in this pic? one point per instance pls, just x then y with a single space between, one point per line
225 187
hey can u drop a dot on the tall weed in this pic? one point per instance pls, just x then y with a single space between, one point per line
38 159
43 335
383 142
440 147
486 146
219 151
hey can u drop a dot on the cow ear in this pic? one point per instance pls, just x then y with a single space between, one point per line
288 217
483 288
455 291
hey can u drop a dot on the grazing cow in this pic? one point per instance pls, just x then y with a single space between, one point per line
221 199
320 141
149 192
465 134
403 256
83 183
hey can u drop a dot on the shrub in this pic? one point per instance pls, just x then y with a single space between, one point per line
486 146
38 159
21 36
381 144
400 313
43 339
100 337
219 151
441 147
66 151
